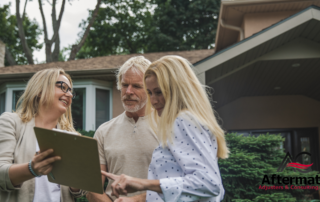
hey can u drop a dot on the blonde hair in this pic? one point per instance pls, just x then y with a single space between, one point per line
182 91
138 64
40 91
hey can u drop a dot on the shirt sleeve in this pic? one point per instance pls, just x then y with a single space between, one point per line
7 146
195 151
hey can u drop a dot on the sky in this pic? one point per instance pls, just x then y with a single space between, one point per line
74 13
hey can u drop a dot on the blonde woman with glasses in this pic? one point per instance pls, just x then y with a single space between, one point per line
185 165
46 103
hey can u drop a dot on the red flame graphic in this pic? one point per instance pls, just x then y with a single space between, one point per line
299 165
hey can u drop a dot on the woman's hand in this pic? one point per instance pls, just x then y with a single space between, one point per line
19 173
42 165
124 184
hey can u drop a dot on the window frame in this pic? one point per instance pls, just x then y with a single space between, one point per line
91 86
3 90
9 88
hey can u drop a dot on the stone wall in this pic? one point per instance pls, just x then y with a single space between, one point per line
2 53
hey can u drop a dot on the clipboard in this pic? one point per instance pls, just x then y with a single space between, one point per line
79 166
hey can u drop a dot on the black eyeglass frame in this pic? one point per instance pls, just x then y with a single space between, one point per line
73 93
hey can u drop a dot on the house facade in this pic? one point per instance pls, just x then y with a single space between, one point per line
94 81
265 71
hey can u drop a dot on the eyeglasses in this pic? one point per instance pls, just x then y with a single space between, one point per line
65 88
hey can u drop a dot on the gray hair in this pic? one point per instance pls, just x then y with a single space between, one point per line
138 64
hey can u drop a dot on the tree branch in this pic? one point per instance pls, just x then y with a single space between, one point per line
56 51
76 48
61 12
24 10
53 14
48 43
22 37
9 57
56 24
43 22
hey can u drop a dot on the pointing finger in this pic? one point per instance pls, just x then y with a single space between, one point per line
109 175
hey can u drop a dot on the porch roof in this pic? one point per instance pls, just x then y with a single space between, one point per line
283 59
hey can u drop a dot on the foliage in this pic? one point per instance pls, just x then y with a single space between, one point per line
87 133
135 26
250 159
183 25
276 197
10 36
120 28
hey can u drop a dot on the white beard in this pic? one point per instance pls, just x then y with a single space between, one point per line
136 108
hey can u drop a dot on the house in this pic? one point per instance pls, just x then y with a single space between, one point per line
265 71
97 100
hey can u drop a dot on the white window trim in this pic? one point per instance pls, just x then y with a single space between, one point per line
9 88
91 86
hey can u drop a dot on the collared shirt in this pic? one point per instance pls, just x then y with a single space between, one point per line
188 169
126 147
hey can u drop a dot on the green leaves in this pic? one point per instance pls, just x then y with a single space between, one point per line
250 159
9 34
184 25
135 26
120 28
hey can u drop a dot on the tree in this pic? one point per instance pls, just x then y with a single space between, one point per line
9 35
133 26
183 25
120 28
51 56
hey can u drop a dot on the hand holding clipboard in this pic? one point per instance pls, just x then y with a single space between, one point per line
79 165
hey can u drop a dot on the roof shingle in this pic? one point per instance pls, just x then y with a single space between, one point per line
102 63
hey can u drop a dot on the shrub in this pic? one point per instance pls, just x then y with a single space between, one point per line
250 159
87 133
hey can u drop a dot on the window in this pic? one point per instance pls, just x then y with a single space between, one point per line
93 103
2 102
102 106
16 94
78 109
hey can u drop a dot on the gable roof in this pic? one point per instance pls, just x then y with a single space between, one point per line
260 64
98 66
288 29
233 12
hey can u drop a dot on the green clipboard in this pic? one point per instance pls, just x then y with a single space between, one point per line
79 166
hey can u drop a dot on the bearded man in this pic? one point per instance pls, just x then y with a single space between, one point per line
126 142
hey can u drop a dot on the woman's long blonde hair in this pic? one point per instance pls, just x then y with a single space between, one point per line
182 91
40 91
